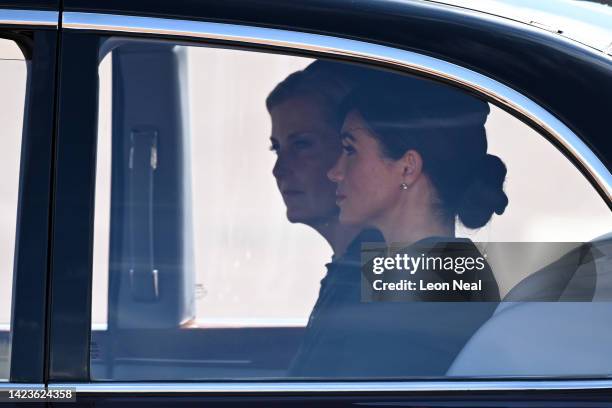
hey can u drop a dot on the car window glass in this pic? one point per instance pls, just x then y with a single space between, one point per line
217 191
13 79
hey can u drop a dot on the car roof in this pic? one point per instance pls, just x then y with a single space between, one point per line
587 22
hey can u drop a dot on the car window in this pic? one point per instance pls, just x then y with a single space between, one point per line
236 193
13 79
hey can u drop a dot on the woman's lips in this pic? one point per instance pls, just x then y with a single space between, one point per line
292 196
340 198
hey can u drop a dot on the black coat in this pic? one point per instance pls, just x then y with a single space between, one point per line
348 337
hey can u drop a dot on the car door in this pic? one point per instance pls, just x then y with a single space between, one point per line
28 47
182 275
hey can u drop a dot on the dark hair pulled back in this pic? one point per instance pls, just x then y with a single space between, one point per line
446 127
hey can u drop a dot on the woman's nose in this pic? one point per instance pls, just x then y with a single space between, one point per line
280 168
335 174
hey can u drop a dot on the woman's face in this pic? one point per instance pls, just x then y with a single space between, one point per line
368 184
307 146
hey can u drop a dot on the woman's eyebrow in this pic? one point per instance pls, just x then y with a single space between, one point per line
296 135
293 136
347 135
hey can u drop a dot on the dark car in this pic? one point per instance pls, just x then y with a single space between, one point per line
156 252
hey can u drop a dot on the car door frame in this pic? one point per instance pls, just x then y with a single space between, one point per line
36 31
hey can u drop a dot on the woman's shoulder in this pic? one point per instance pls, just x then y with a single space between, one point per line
456 259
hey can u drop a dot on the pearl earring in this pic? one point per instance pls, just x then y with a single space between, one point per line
403 186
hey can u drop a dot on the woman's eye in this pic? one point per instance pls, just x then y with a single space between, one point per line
348 149
301 144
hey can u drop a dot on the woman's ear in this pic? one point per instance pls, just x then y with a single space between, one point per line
412 166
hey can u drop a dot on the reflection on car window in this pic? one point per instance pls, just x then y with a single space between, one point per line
13 76
264 216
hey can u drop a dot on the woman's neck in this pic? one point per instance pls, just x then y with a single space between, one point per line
413 219
338 236
407 233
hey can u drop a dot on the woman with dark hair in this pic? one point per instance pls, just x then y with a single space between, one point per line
415 160
389 181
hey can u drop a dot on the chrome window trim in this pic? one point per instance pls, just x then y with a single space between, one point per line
358 50
33 18
332 386
4 386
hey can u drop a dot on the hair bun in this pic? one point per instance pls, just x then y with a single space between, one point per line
484 195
